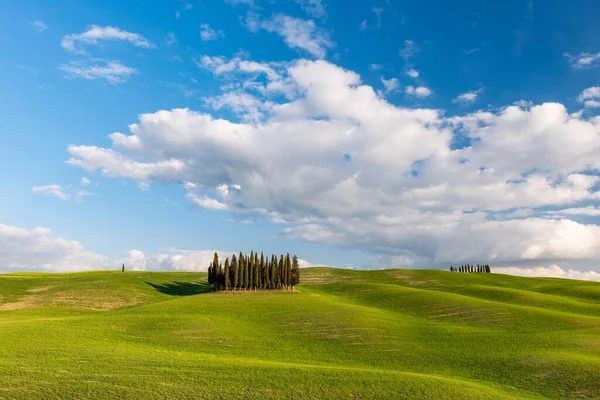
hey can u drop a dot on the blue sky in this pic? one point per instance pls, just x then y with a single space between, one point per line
385 134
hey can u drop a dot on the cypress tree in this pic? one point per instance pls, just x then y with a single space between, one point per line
240 273
273 272
236 272
210 276
243 273
295 271
256 273
227 283
262 270
251 271
123 268
280 282
284 273
246 275
267 275
288 271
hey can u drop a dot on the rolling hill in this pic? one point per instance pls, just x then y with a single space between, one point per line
342 334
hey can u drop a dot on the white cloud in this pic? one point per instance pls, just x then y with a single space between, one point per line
583 60
378 12
591 104
297 33
110 71
96 34
589 93
375 67
206 202
54 190
314 8
41 27
391 84
413 73
207 33
420 91
170 39
57 191
38 250
590 97
410 49
552 271
85 181
363 25
590 211
468 97
369 175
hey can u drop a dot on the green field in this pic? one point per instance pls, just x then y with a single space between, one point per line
342 334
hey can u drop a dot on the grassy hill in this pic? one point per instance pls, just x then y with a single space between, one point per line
343 335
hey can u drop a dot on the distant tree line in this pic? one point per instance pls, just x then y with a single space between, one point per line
254 272
470 269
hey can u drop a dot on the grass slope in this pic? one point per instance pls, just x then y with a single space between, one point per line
344 334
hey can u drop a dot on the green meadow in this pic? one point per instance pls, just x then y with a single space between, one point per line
342 334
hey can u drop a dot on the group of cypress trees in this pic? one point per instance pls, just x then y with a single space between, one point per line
477 269
254 272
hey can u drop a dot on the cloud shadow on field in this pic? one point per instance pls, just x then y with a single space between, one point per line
180 288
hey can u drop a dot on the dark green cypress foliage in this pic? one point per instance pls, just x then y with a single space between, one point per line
262 270
123 268
288 271
227 282
236 272
243 273
251 271
256 272
240 272
273 272
280 282
295 271
210 276
246 275
267 275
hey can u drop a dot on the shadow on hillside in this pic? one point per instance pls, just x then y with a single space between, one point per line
180 288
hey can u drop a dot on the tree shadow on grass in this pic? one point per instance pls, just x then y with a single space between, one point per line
180 288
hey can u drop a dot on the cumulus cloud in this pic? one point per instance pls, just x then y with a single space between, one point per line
391 84
54 190
420 91
207 33
409 50
38 250
314 8
468 97
96 34
552 271
370 175
590 97
111 71
85 181
170 39
583 60
297 33
57 191
378 11
40 26
413 73
179 260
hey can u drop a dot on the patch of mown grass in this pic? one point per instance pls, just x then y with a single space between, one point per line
344 334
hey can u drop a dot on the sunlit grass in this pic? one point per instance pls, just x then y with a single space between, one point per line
343 334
